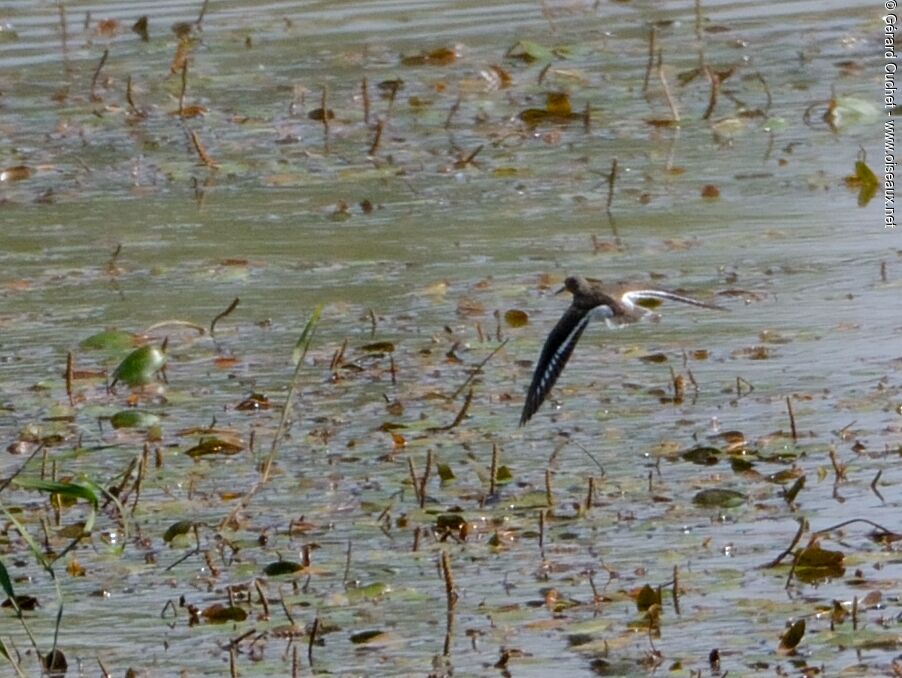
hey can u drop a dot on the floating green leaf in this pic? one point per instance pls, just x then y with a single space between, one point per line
865 181
134 419
82 490
503 475
719 498
703 455
368 592
177 529
281 567
445 473
140 366
815 556
109 340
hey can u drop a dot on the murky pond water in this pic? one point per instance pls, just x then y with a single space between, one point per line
421 225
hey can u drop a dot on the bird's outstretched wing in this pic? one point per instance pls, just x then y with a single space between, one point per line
555 354
631 297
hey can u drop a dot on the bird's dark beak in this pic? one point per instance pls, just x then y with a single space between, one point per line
561 291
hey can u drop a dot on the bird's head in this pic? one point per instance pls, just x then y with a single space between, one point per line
576 285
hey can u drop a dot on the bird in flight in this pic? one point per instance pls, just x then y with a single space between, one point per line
617 306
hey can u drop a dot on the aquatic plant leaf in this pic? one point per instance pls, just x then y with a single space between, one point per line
529 51
213 446
449 521
379 347
176 530
254 402
319 115
281 567
442 56
17 173
815 556
866 639
55 663
741 465
503 475
192 111
23 602
647 597
865 181
6 583
134 419
719 498
516 318
784 476
109 340
139 367
793 636
366 636
368 592
73 531
445 473
706 456
845 110
536 116
83 490
558 103
220 614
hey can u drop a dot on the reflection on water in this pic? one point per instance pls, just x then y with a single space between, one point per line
282 225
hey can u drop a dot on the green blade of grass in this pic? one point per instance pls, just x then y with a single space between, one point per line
303 343
82 490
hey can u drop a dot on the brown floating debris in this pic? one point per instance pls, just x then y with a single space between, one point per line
557 110
443 56
17 173
201 151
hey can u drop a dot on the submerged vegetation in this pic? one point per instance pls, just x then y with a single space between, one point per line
326 475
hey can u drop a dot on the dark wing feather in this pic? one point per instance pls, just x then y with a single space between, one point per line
555 354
